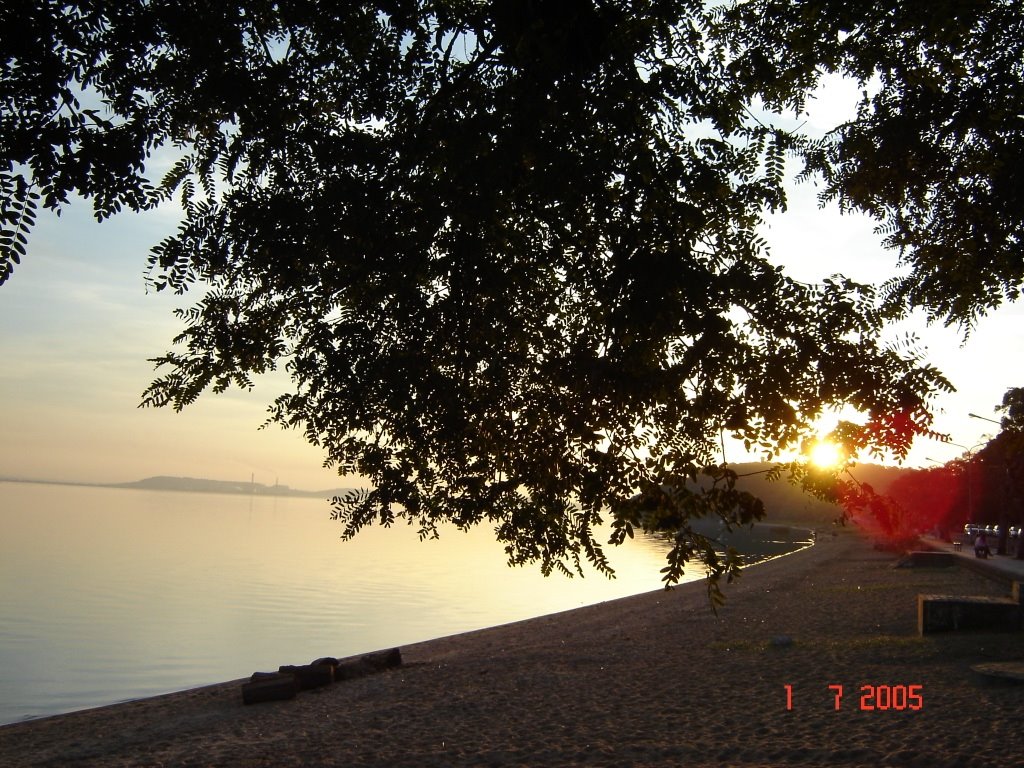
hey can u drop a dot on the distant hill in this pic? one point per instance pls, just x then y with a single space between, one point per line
202 485
784 503
787 504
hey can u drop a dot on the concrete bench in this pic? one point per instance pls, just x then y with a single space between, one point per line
1001 670
948 613
929 559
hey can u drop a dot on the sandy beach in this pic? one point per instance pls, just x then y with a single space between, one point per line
656 679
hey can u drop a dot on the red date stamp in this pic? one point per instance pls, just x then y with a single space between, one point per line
873 698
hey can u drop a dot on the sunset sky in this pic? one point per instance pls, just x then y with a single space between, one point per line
78 328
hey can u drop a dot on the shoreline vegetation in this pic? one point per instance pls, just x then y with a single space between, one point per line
755 685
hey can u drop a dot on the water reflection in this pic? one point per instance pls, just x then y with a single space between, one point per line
110 594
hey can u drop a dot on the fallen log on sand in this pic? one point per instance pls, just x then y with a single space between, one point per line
290 679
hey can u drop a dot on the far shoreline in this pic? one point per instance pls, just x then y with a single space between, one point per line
219 487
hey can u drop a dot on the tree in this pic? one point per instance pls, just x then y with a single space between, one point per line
1001 463
506 250
933 153
929 496
1013 406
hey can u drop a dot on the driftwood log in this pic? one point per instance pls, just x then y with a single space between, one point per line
271 686
328 661
310 675
350 669
290 679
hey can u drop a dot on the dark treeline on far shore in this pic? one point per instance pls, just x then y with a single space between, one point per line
198 485
784 502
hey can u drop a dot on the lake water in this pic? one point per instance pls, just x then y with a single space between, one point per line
109 595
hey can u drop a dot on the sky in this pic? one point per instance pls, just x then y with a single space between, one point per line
77 329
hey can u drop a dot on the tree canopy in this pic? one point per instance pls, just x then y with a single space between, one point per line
1000 467
1013 408
508 250
934 151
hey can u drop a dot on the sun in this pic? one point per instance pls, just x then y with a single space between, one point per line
826 454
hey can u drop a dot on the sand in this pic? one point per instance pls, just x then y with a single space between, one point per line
655 679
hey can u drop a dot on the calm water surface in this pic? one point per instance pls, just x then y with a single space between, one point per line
108 595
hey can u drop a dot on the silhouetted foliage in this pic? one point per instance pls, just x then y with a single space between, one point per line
507 250
929 498
1000 465
934 152
1013 406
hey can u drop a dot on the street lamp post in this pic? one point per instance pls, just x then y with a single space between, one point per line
984 418
967 475
1004 533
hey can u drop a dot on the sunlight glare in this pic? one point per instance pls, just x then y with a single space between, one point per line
826 454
